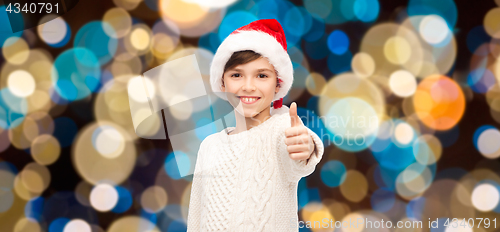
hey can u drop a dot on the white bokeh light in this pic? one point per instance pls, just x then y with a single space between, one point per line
434 29
137 90
485 197
140 38
488 144
403 133
459 226
103 197
21 83
54 30
212 3
77 225
109 142
402 83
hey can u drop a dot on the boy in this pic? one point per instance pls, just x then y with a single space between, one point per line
246 177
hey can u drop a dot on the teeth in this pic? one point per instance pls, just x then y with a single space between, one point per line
249 99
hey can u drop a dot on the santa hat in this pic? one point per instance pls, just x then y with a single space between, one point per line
266 37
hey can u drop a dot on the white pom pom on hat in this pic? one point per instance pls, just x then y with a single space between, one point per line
264 36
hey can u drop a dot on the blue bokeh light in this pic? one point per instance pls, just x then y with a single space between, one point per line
481 80
366 10
339 63
294 22
33 208
444 8
347 9
265 9
382 200
13 109
394 157
177 225
415 207
385 177
209 41
317 49
177 164
333 173
93 37
76 74
64 204
124 200
316 31
476 37
204 128
338 42
234 21
58 224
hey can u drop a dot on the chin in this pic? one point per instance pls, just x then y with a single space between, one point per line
248 113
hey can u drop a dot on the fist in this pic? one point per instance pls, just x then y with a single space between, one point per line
298 141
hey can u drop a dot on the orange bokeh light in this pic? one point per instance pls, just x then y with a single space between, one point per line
439 102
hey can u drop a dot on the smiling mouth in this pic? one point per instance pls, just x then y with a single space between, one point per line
249 100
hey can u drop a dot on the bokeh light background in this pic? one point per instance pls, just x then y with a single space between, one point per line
428 71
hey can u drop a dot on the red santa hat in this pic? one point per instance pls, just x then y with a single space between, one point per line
266 37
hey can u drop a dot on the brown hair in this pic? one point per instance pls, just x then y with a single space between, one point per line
243 57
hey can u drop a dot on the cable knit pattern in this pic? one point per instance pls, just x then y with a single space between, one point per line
247 181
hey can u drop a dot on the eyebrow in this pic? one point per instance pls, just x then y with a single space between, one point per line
258 70
264 69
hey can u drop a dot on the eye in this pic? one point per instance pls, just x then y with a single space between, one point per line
263 75
236 75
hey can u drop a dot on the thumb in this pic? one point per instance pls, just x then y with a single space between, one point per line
293 115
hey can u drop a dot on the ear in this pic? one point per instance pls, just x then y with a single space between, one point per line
277 89
223 87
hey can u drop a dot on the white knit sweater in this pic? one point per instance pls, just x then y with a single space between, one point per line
247 181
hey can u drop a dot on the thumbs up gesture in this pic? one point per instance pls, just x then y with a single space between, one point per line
299 143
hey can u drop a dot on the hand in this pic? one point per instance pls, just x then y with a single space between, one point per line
299 143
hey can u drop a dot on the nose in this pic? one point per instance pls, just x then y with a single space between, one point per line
249 85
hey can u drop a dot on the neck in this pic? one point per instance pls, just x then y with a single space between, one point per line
246 123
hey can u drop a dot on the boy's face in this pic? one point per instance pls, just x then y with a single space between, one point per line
257 81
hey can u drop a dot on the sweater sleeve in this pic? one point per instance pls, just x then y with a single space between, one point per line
296 169
194 210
